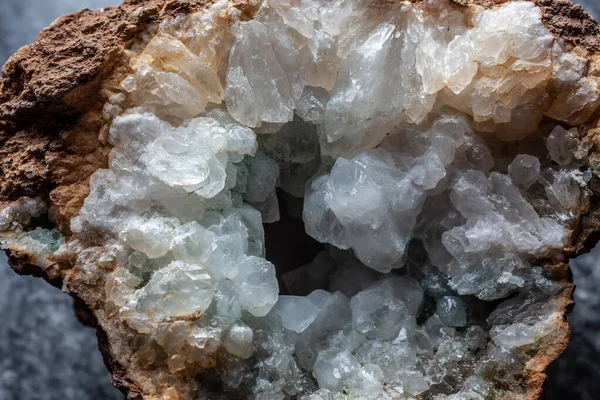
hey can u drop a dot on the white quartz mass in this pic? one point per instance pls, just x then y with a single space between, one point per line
434 151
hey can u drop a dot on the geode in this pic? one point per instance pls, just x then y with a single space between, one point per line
309 199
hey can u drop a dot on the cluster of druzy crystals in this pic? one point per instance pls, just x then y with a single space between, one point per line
390 120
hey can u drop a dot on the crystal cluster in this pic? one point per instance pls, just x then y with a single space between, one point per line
433 149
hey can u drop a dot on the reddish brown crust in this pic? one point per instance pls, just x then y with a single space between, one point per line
552 348
482 3
50 98
562 18
23 265
556 343
120 378
570 22
588 232
50 116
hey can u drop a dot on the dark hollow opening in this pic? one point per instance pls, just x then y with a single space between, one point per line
288 246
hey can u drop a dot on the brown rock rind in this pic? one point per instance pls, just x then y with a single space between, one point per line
562 18
120 378
570 22
51 99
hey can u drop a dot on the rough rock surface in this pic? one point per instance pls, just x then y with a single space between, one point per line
52 94
575 373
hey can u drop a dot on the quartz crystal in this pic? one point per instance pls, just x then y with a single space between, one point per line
431 153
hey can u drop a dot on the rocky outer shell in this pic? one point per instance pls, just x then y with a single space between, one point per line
51 98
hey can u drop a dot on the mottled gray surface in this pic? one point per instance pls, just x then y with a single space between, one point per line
576 374
45 354
592 6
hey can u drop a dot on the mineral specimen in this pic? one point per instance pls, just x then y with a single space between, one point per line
311 199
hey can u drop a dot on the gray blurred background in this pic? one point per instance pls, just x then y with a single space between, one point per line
46 354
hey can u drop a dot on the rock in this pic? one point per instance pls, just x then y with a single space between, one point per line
296 312
445 153
238 340
452 311
332 369
378 313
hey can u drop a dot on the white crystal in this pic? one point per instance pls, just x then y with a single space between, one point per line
367 382
334 369
250 97
181 289
562 144
380 312
152 236
296 312
238 340
452 311
257 286
524 170
262 178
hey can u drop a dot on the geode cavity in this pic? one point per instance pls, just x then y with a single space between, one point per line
309 199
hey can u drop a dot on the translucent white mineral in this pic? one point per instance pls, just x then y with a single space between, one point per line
332 369
296 312
387 126
524 170
452 311
238 340
179 290
20 213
